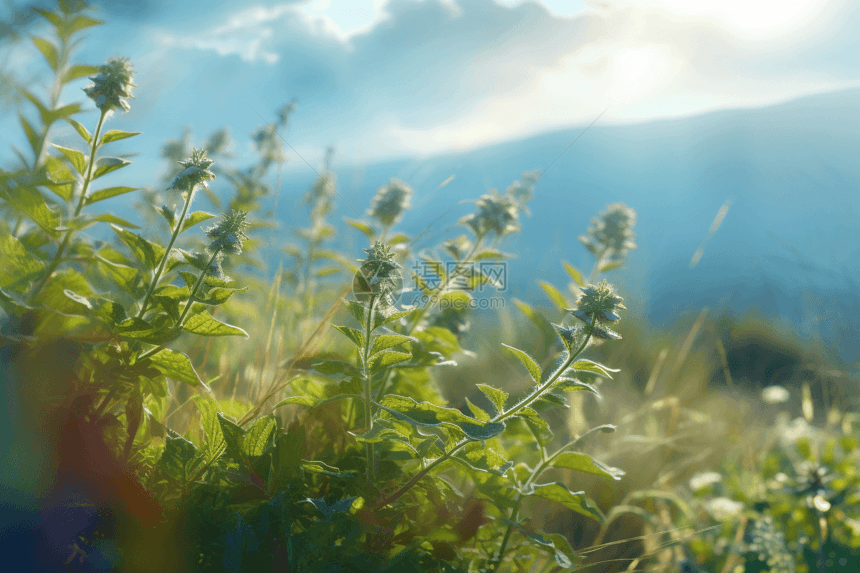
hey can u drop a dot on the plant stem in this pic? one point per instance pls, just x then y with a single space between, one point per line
55 262
368 382
157 275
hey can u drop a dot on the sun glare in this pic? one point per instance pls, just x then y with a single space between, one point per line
751 15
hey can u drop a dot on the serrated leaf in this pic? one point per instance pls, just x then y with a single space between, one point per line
477 412
234 435
385 316
574 274
543 325
576 501
103 194
336 369
585 463
175 365
195 219
178 458
116 135
86 221
354 335
146 252
75 157
572 385
258 437
107 164
19 265
203 324
386 341
218 295
527 361
79 71
32 203
48 50
478 457
386 359
430 415
556 542
356 309
554 295
537 425
496 396
81 22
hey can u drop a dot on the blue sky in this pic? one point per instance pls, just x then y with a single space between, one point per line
391 78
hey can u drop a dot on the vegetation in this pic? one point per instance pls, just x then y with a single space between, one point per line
195 410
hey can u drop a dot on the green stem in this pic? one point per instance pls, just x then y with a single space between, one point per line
157 276
55 262
368 382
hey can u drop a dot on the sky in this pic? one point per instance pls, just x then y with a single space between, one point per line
381 79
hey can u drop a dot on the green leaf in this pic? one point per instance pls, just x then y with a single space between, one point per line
258 437
103 194
318 467
146 252
528 362
585 463
387 358
384 316
82 131
203 324
32 137
234 436
54 19
44 112
81 22
572 385
75 157
361 226
386 341
496 396
608 266
218 295
355 336
175 365
430 415
79 71
557 543
32 203
356 309
116 135
480 458
554 295
19 265
48 50
208 409
478 413
195 219
107 164
585 365
576 501
85 221
178 458
289 448
574 274
336 369
537 425
64 112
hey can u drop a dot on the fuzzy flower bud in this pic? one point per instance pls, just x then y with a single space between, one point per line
379 275
112 85
196 170
497 214
390 201
612 235
228 234
600 303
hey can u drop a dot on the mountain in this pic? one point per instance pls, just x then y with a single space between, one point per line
789 245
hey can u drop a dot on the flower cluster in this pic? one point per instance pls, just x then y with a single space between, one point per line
112 85
611 236
599 304
379 275
228 234
390 201
497 214
196 171
523 191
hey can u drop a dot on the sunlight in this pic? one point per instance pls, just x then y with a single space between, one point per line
752 15
636 72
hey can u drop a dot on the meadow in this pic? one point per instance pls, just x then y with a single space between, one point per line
177 402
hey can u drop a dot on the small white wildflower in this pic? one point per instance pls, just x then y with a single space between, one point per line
704 479
775 394
723 508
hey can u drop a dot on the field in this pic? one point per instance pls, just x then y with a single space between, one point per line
197 388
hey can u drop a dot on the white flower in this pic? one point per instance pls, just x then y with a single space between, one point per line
704 479
775 394
723 508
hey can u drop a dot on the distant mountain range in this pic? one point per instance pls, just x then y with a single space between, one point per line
788 246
